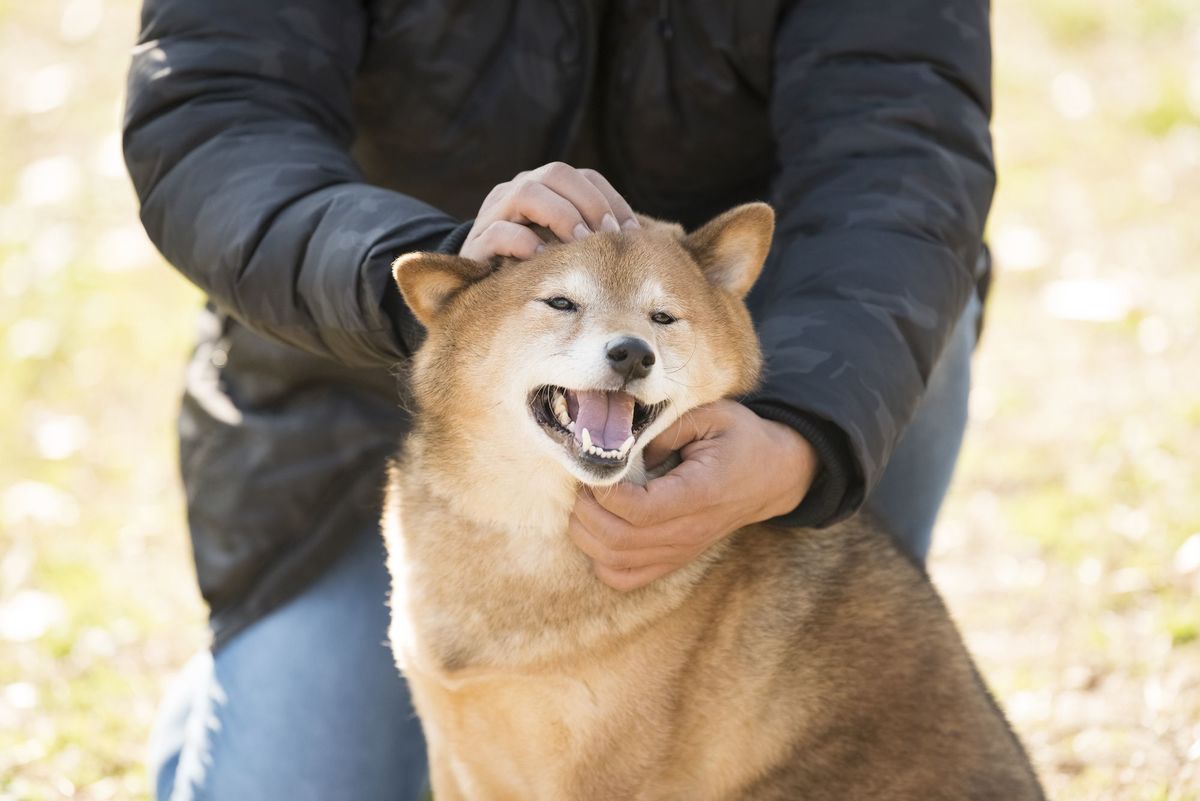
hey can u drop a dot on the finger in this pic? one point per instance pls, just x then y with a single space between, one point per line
633 578
617 535
613 533
582 193
487 214
624 213
502 238
496 195
687 428
531 201
690 487
600 553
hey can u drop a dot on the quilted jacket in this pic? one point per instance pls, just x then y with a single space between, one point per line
285 152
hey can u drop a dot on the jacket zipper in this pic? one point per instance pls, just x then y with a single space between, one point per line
664 20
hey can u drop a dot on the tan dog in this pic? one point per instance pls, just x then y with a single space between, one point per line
780 665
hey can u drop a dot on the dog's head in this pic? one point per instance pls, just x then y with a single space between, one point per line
589 349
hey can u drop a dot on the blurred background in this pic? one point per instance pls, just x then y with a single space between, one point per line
1070 548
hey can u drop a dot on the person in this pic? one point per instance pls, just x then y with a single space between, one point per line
284 154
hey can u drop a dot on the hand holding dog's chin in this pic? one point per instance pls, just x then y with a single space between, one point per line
737 468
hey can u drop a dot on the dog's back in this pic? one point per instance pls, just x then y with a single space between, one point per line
864 687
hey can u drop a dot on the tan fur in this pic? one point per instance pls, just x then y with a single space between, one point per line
780 665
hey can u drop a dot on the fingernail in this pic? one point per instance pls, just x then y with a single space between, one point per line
609 223
539 248
581 231
631 223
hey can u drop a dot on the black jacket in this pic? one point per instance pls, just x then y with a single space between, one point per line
285 152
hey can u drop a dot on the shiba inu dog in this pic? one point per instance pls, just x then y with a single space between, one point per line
782 664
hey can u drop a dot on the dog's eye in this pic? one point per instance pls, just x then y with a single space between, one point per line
662 318
560 303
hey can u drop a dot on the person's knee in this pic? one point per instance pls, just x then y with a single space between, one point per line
305 703
175 720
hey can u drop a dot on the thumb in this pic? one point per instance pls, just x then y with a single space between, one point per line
690 427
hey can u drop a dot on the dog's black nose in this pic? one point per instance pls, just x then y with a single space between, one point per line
631 357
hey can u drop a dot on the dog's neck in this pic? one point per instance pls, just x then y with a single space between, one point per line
482 560
506 488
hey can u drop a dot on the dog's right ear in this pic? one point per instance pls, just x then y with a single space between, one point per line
428 281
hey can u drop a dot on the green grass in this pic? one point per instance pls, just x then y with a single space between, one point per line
1071 22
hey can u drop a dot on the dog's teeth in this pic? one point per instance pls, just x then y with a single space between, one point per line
586 439
560 405
563 418
571 425
625 446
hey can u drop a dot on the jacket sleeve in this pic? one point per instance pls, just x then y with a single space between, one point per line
880 113
237 136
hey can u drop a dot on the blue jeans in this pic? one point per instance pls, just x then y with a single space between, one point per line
307 703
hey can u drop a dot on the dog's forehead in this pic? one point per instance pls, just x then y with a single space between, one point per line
592 283
636 270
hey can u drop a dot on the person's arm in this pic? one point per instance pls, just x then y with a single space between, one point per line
880 113
237 136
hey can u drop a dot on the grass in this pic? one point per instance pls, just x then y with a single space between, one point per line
1062 548
95 586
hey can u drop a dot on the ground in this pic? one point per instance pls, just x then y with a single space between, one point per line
1069 550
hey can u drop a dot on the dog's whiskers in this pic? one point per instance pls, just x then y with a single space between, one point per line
685 361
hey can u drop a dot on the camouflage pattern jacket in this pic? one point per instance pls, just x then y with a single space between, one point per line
285 152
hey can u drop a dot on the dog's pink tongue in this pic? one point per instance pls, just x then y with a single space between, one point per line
607 416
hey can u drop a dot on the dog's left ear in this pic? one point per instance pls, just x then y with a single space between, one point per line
429 280
731 248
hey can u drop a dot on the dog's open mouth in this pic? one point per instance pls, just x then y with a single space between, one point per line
599 426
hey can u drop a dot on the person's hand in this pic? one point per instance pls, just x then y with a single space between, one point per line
737 468
570 203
